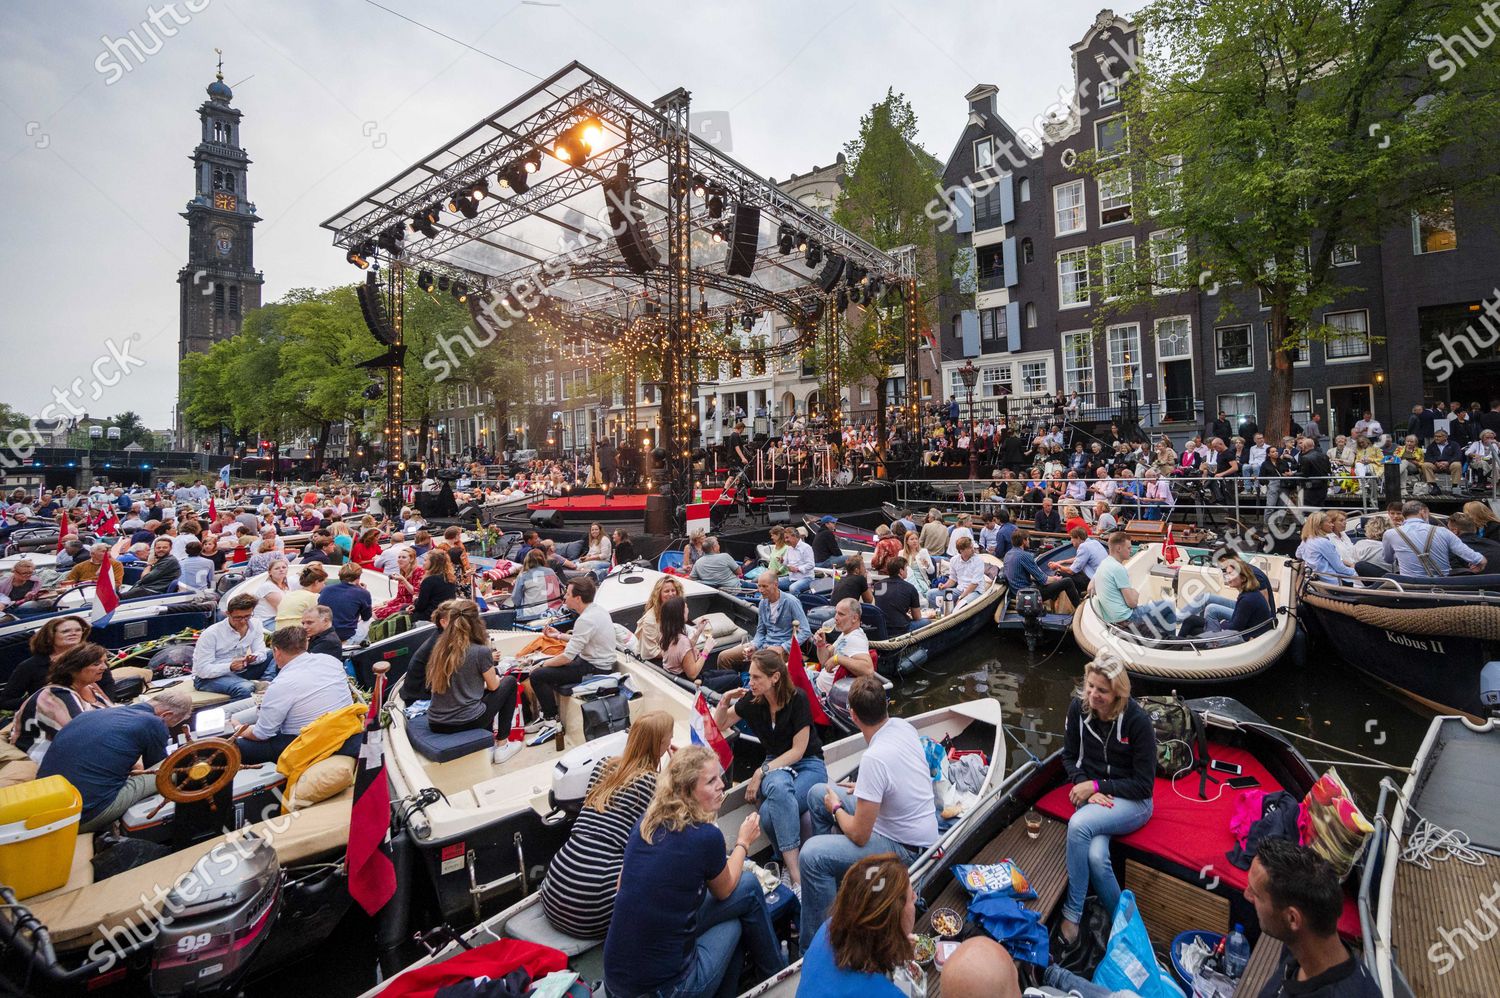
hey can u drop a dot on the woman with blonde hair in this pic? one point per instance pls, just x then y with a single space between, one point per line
1319 552
1486 523
437 586
408 578
579 892
693 549
665 935
920 571
468 692
865 947
648 628
600 553
1109 753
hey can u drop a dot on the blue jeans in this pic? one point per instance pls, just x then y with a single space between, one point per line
1216 609
827 856
917 625
722 926
796 588
1065 980
1162 611
783 798
1089 832
239 685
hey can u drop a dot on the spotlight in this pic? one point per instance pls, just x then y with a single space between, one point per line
452 204
520 176
784 238
747 321
424 280
853 274
718 232
532 161
424 221
442 284
460 292
480 190
390 239
570 147
842 302
802 242
361 255
373 391
467 207
700 185
814 254
715 206
591 131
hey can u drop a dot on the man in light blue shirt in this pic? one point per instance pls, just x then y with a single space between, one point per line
1118 600
1088 555
1418 548
773 624
1321 555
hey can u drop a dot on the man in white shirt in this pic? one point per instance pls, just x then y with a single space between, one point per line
966 576
1251 470
963 528
386 560
232 653
850 651
590 650
799 561
308 685
889 809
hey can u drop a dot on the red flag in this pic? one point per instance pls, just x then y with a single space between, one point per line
110 526
105 597
706 732
799 679
1169 552
213 514
372 873
64 528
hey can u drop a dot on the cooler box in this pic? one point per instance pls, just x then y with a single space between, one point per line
38 829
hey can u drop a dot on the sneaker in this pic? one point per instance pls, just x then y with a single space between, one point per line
546 734
503 752
535 724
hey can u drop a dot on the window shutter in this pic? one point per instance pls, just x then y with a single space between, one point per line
969 324
1007 200
963 211
1013 326
1008 254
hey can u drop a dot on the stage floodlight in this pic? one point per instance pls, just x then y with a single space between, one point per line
424 280
715 205
717 230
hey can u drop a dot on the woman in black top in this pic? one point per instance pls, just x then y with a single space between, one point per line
779 716
1109 752
437 585
414 683
50 642
855 584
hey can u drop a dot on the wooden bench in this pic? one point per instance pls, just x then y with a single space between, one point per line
1043 860
1265 958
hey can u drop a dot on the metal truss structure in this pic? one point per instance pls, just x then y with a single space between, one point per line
516 209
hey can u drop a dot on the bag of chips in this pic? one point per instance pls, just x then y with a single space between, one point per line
1004 877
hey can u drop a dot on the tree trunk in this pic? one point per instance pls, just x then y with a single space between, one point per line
880 427
1278 419
424 426
325 428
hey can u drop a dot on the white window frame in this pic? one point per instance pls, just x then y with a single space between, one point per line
1416 231
1077 211
1031 384
1131 337
1156 338
987 144
1103 122
1078 373
1233 411
1179 253
1023 189
1302 358
864 394
1328 356
992 377
1122 251
1116 196
1109 92
1219 331
1169 179
1351 257
1081 254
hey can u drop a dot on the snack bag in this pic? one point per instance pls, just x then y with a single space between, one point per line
1004 877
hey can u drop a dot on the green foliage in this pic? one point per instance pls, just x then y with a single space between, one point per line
1274 131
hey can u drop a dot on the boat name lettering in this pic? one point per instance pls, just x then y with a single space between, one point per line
1420 644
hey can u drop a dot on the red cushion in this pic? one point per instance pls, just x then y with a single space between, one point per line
1194 833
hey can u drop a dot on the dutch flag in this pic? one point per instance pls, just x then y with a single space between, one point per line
705 732
105 597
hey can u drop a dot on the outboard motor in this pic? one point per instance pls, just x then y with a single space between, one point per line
216 917
1030 606
570 777
1489 687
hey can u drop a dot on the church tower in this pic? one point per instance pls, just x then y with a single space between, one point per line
220 283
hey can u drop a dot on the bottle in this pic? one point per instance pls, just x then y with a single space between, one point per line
1236 953
697 491
950 602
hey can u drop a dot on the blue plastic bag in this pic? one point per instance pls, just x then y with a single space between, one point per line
1016 927
1129 964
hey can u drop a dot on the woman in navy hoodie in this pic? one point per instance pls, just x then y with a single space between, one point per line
1109 752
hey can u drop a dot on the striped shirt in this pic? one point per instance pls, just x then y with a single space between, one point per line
579 892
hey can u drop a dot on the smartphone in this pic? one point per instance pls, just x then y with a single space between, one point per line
1242 783
1232 768
210 721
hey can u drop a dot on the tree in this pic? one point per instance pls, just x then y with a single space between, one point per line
132 430
1273 132
890 180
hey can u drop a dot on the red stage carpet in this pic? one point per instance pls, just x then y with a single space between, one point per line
601 503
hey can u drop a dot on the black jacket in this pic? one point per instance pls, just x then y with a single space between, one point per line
1314 469
327 643
1120 755
1446 451
159 578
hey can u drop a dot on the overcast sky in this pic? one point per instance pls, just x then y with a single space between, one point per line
340 95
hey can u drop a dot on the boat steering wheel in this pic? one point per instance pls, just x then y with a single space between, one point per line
198 770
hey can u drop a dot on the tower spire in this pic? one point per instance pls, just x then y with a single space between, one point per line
220 74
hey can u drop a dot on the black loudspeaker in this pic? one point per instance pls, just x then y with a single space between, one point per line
832 271
469 512
640 253
448 474
1392 482
546 518
743 242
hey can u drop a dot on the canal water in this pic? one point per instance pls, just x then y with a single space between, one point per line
1323 699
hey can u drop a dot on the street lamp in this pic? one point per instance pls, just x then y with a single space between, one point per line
970 374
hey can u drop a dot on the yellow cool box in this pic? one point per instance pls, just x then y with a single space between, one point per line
38 830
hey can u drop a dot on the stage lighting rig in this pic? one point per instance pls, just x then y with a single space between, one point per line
390 239
814 254
717 231
785 239
715 204
362 255
424 280
425 221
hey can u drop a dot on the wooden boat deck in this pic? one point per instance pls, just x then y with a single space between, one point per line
1442 931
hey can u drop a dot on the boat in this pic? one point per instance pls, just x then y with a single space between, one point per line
378 583
852 539
478 827
903 654
1428 639
975 724
1430 930
1205 659
259 890
1174 865
134 620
